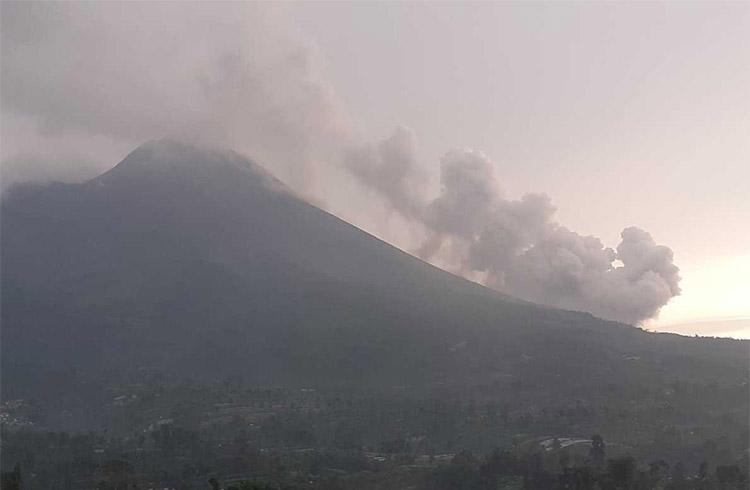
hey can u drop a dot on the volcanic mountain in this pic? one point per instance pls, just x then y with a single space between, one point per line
198 264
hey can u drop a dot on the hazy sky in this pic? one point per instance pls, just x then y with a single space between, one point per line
623 114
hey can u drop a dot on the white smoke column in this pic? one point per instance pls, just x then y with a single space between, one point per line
516 245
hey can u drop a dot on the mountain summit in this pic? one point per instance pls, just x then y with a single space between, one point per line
198 263
168 158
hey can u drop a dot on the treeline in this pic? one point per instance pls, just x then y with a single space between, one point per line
506 470
180 461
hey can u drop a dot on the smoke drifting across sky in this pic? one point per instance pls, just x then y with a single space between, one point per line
515 243
227 74
84 83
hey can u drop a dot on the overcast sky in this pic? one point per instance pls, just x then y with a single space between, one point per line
632 114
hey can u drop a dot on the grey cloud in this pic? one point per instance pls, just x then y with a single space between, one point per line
467 196
135 71
518 247
390 168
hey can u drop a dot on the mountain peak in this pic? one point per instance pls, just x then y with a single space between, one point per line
178 159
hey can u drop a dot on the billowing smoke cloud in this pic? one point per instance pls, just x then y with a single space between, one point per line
390 168
516 244
84 83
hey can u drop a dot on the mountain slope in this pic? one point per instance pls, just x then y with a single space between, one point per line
197 263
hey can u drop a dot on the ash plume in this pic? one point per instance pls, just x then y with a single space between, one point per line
234 76
390 168
517 246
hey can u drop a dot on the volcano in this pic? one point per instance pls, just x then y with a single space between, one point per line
198 264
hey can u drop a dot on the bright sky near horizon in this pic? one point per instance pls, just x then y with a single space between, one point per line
714 300
625 114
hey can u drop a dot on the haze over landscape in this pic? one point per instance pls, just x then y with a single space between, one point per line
418 246
599 117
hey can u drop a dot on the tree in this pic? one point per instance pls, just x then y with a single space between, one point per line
621 471
703 471
11 480
728 474
597 452
679 481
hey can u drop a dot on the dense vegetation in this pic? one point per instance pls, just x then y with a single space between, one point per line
683 435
